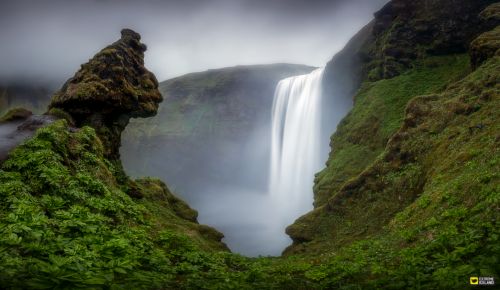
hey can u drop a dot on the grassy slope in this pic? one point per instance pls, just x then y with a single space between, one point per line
64 225
66 221
435 193
420 210
377 113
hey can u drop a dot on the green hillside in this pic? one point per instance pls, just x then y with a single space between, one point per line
409 198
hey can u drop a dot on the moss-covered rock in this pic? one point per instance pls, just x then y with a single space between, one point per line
406 30
491 15
111 88
16 114
61 114
487 44
158 191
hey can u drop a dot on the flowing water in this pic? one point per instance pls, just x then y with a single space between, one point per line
295 144
273 167
254 220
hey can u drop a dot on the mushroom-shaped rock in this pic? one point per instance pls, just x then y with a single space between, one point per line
111 88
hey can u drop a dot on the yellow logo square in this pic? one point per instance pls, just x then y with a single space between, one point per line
474 280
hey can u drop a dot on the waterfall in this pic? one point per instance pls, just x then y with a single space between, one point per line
295 144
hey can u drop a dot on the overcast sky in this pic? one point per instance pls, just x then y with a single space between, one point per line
48 40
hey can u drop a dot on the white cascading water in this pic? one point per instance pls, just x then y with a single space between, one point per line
295 144
258 219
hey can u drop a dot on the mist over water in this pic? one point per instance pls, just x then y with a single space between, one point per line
8 138
254 218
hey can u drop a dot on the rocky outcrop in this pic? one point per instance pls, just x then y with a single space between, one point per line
111 88
343 74
407 30
487 44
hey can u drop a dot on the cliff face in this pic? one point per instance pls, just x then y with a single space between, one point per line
203 129
384 164
111 88
408 30
405 35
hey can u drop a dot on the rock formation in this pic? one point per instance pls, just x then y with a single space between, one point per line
486 45
408 30
111 88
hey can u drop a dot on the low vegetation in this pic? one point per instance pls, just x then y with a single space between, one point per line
410 198
67 223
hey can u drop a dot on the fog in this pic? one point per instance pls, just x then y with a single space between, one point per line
48 40
8 138
227 179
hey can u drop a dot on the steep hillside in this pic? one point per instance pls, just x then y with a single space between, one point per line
404 31
425 213
360 191
205 124
409 199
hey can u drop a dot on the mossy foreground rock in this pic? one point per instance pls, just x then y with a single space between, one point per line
111 88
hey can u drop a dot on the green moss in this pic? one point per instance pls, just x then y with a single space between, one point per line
416 206
427 205
170 212
66 223
15 114
61 114
377 114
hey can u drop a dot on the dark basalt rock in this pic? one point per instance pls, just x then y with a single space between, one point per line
111 88
487 44
405 30
491 15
